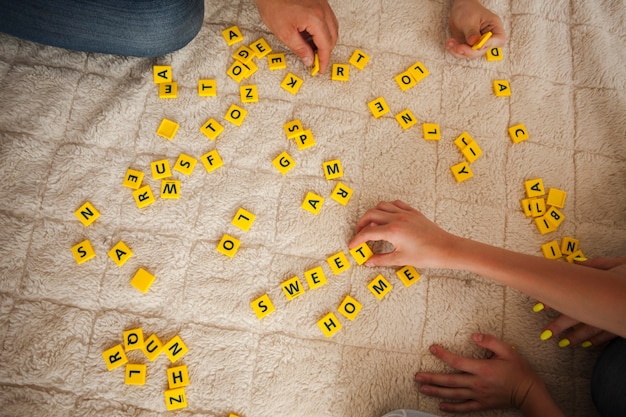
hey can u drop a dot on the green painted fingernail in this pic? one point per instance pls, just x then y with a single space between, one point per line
564 343
586 344
538 307
546 334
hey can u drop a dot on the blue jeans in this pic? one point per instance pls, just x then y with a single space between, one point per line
143 28
608 381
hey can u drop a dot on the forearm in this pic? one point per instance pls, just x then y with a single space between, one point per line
593 296
539 403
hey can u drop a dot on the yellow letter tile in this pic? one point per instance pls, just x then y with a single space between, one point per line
133 339
378 107
340 72
338 263
114 357
315 277
152 347
167 129
304 139
332 169
551 250
518 133
329 324
87 213
537 206
175 349
236 115
243 219
212 129
481 42
292 288
569 245
462 171
556 197
418 71
177 377
379 287
162 74
349 308
249 93
342 194
359 59
244 54
238 71
431 131
142 280
232 35
175 399
313 203
472 152
228 245
143 196
408 275
284 163
261 47
463 140
555 217
120 253
135 374
160 169
315 68
501 88
494 54
544 225
170 189
212 160
405 80
133 179
185 164
83 252
361 253
406 119
168 90
534 188
262 306
527 206
292 83
276 61
207 88
293 128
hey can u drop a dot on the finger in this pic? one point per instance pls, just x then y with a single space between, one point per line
603 263
457 362
493 344
444 380
580 334
458 394
402 205
323 41
601 339
375 217
385 259
462 407
461 50
296 42
560 325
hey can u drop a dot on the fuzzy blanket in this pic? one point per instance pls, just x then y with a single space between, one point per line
72 124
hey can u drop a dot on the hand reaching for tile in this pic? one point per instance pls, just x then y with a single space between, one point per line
468 21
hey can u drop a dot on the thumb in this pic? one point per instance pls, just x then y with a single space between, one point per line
493 344
299 46
472 36
384 259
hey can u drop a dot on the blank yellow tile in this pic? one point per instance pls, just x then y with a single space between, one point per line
405 80
338 263
292 288
462 171
406 119
168 90
378 107
276 61
243 219
135 374
133 179
207 88
175 399
249 93
162 74
292 83
175 349
228 245
185 164
160 169
379 287
340 72
212 129
236 115
408 275
83 252
315 277
349 308
556 197
518 133
342 194
142 280
167 129
313 203
431 131
284 163
332 169
152 347
212 160
262 306
120 253
232 35
359 59
87 213
361 253
143 196
329 324
114 357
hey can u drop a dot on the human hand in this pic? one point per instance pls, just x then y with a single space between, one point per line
468 20
505 380
575 332
416 240
293 21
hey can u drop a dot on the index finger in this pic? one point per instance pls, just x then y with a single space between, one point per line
323 41
457 362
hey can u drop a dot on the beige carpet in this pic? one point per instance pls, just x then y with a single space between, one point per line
71 124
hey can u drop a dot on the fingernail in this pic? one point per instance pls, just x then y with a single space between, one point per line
564 343
308 61
580 259
586 344
419 378
477 337
538 307
546 335
433 349
513 347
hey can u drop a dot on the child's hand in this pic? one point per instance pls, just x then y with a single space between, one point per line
416 240
293 21
468 21
505 380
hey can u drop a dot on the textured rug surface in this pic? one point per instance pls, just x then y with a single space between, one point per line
72 124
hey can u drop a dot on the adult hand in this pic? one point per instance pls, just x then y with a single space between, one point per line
577 333
505 380
416 240
468 21
294 21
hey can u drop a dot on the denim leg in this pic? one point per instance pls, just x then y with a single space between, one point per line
608 382
123 27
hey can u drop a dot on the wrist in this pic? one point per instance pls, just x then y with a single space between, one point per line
537 401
